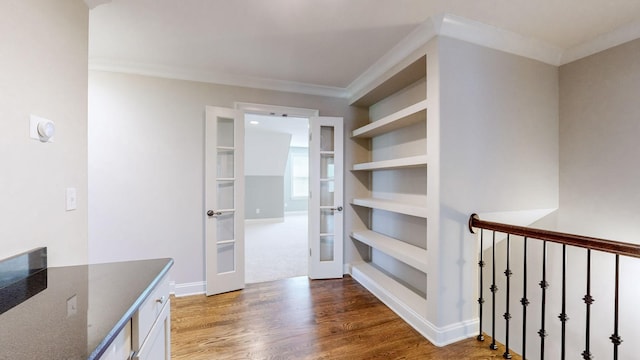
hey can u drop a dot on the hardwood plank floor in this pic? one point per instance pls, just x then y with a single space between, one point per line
299 318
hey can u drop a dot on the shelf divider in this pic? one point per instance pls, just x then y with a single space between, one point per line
400 163
393 206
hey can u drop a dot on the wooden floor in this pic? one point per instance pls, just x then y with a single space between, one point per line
302 319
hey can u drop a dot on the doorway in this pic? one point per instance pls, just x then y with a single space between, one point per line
224 206
276 201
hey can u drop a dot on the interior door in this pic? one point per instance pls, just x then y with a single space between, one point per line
326 197
224 200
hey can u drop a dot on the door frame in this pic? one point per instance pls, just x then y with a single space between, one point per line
277 110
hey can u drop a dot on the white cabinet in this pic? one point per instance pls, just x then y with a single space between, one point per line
151 328
157 344
120 348
147 335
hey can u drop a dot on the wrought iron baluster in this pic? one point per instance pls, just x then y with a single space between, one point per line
588 300
615 337
481 268
543 285
563 315
494 289
525 302
507 315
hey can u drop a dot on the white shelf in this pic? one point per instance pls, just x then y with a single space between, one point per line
409 254
393 206
401 163
386 288
392 84
405 117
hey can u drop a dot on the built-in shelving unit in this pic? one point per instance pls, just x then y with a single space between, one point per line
396 267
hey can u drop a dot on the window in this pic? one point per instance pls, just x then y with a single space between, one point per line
299 175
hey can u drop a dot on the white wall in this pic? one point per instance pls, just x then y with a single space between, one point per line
498 151
146 165
599 152
266 153
599 176
43 71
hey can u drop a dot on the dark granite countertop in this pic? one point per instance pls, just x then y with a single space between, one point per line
46 326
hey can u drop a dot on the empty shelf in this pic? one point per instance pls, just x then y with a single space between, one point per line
401 163
405 117
392 84
376 281
393 206
409 254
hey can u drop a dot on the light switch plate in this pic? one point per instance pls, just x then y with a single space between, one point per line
72 200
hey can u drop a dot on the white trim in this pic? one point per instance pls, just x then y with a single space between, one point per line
439 336
188 289
168 72
603 42
275 110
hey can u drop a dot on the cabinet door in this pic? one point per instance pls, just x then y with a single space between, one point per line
157 345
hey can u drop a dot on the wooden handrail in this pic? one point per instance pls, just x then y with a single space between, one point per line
610 246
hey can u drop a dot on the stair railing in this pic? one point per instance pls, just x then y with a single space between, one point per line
564 239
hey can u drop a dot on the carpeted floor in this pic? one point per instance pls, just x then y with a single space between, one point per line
276 250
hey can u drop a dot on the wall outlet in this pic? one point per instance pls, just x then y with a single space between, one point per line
257 211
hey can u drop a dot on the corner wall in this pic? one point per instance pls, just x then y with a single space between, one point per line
498 144
599 152
599 177
43 71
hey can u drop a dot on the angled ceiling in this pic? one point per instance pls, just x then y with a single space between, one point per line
324 44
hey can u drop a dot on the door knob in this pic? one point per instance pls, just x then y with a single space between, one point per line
339 208
211 213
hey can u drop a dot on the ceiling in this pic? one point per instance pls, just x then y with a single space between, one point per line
327 43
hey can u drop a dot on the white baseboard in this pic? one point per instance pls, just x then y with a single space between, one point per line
187 289
439 336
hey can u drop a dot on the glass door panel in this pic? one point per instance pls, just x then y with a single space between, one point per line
226 194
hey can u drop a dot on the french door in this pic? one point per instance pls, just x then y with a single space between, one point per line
224 200
326 200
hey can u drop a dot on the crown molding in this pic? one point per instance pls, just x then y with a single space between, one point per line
624 34
458 28
448 25
214 78
499 39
